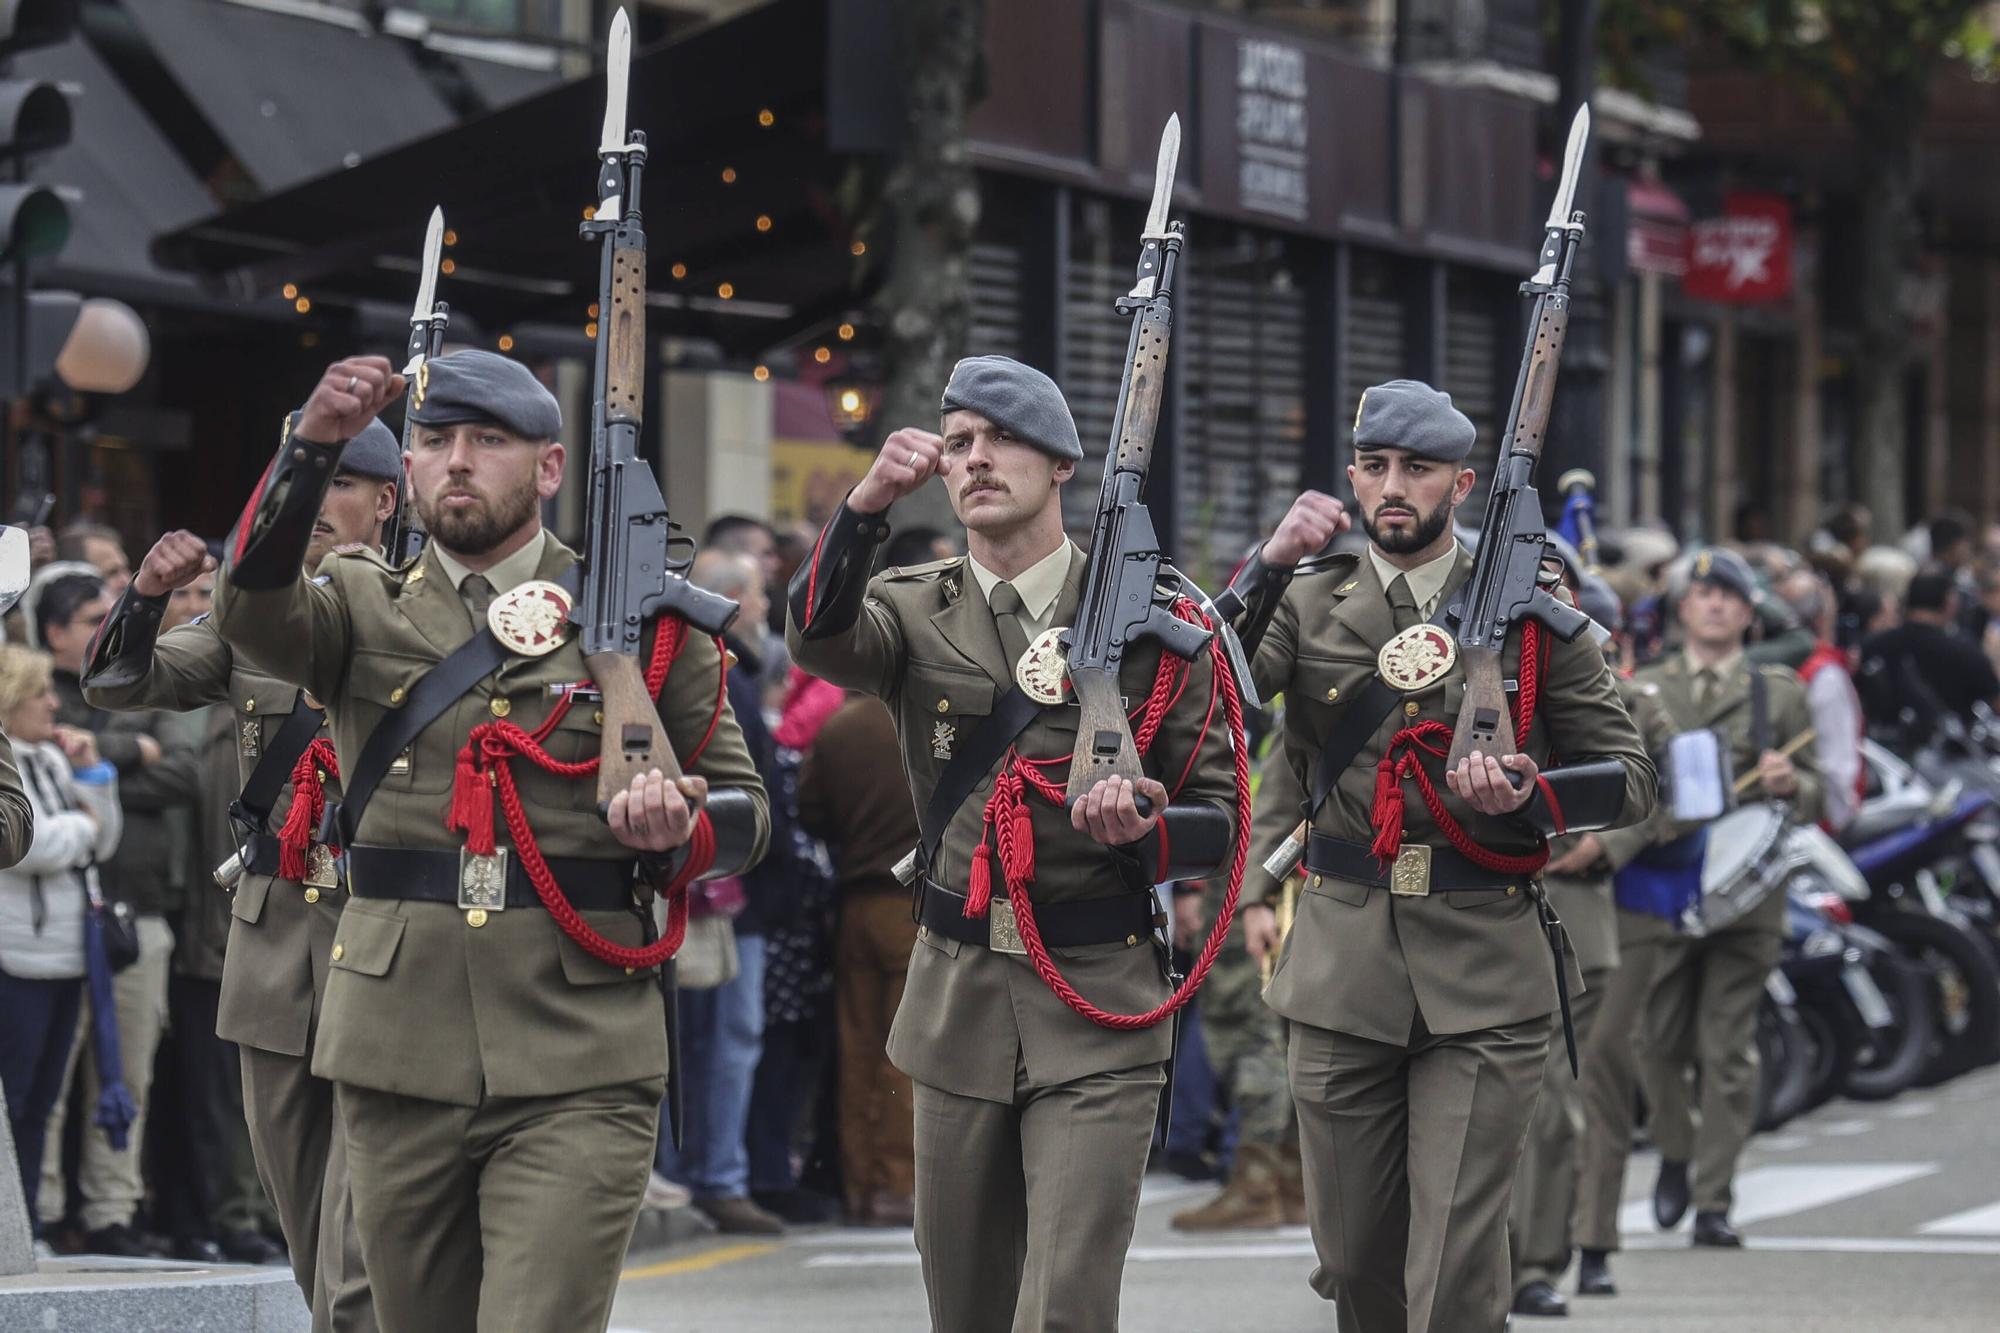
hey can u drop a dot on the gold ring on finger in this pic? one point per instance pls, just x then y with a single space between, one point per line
352 380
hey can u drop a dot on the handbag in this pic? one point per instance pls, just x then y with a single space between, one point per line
707 957
118 926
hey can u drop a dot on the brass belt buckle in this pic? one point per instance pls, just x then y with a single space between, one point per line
1003 933
1410 877
321 871
482 880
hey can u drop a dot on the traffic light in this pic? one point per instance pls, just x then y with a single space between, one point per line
34 221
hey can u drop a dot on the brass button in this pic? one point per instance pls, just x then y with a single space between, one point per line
339 951
1412 708
476 917
629 971
598 717
944 705
923 932
1131 940
1315 881
1511 890
249 705
1332 693
500 705
312 895
322 776
396 695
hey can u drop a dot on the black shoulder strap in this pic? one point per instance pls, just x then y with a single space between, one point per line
445 683
1760 710
1356 726
974 760
274 768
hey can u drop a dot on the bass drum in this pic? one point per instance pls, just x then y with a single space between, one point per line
1746 860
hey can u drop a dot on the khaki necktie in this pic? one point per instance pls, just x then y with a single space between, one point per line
1704 686
1007 612
1402 604
478 595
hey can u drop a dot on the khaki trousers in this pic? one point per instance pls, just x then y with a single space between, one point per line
1410 1154
1538 1228
1703 1014
1611 1067
110 1181
877 1125
512 1216
301 1152
1025 1209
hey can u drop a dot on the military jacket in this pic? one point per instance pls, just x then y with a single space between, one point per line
1358 959
276 962
925 642
17 817
1727 712
418 1000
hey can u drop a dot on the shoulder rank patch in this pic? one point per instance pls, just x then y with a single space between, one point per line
322 580
905 573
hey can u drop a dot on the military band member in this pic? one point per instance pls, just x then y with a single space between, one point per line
1418 975
1702 1013
1032 1122
499 1080
282 927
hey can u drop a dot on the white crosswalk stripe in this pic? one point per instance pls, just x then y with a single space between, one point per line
1983 1221
1765 1192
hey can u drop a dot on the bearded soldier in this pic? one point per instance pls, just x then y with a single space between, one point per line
493 1022
288 891
1418 974
1032 1121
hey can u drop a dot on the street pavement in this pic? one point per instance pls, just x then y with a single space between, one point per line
1859 1218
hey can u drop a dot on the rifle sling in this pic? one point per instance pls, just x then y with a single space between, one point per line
1357 726
964 770
445 683
274 768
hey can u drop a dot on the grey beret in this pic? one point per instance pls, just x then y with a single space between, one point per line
1723 568
475 385
1018 397
375 452
1411 415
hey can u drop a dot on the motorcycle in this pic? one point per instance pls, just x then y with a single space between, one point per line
1865 1007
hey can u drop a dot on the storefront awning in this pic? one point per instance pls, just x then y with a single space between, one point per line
745 203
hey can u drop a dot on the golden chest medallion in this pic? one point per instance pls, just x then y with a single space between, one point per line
530 619
1417 658
1043 671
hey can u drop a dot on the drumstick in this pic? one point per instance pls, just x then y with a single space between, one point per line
1790 748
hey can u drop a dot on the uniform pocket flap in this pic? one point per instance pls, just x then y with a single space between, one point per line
366 941
950 693
247 903
580 969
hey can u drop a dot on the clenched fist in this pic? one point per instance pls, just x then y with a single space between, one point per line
176 560
908 459
349 396
1315 519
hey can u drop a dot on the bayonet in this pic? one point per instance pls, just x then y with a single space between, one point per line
612 145
1562 219
422 312
1156 234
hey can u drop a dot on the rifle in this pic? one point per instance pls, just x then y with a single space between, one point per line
1512 539
634 565
402 540
1117 608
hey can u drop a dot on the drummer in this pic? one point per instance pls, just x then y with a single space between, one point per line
1702 1012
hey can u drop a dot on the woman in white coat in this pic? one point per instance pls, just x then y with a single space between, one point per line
43 898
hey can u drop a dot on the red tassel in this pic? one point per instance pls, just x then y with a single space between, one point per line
1387 814
979 894
1024 841
308 804
471 802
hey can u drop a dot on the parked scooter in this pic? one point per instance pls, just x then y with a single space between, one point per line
1865 1007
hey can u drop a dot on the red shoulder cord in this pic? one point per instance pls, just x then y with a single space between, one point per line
483 770
1433 738
1012 831
309 777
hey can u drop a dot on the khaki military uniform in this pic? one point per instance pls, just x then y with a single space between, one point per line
17 818
1702 1013
1032 1122
1546 1199
500 1087
1420 1025
273 976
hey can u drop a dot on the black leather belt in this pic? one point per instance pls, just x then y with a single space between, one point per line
1124 919
441 877
1415 873
262 853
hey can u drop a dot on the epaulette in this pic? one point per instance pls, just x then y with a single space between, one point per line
321 580
906 573
363 551
1339 562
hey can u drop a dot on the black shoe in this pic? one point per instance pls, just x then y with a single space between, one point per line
1670 1194
197 1250
250 1247
1593 1275
120 1241
1714 1229
1540 1299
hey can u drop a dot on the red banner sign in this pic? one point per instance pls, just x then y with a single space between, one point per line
1744 256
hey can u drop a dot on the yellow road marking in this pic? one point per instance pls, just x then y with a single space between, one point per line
698 1263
